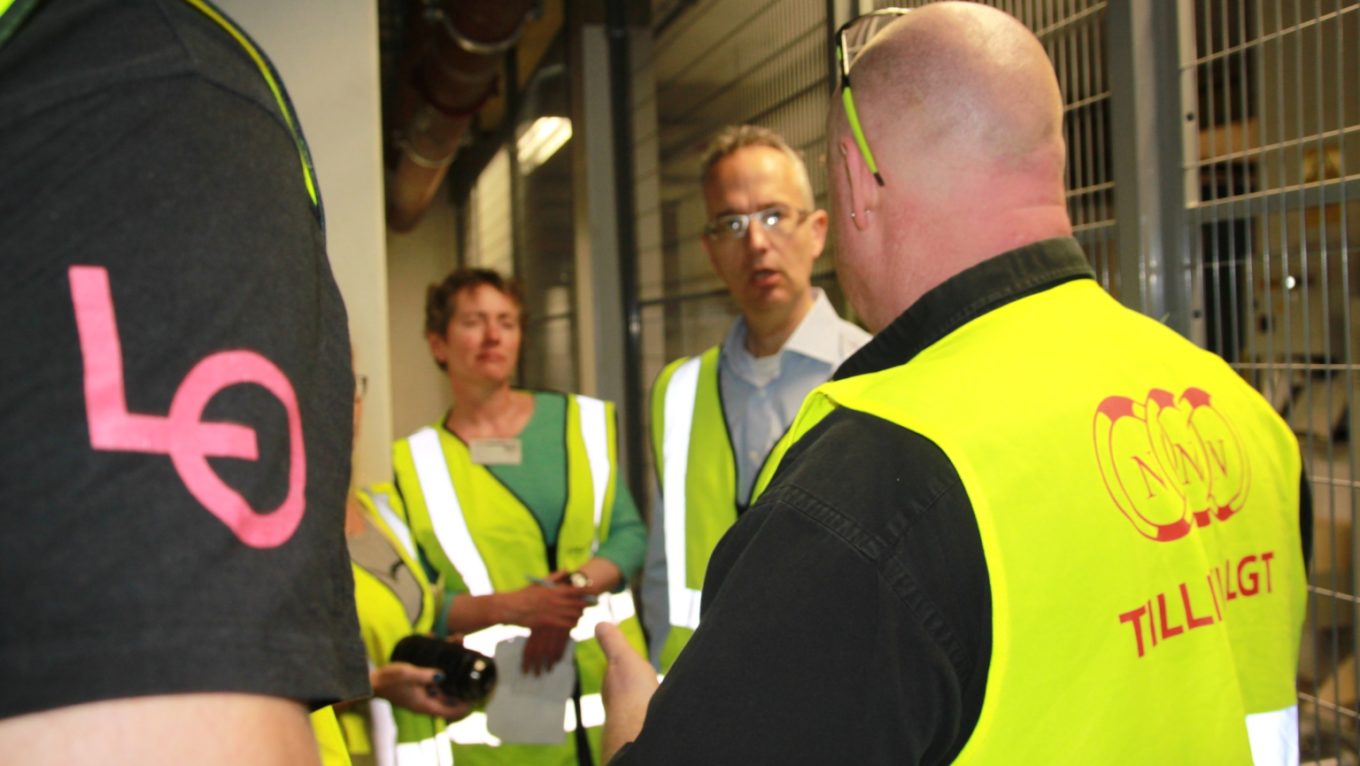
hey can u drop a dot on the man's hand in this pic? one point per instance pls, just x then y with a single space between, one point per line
414 688
629 682
543 649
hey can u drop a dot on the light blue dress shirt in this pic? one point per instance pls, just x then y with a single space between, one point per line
761 396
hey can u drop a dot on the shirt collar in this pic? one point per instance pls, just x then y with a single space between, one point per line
968 295
811 339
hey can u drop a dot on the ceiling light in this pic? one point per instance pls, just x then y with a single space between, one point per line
541 140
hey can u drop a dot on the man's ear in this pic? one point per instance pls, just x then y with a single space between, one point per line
818 221
708 250
861 186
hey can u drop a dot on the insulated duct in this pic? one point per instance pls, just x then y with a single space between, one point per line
454 74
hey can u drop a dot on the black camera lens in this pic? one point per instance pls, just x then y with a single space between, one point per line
468 676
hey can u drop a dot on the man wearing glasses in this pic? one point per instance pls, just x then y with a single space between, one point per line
1023 524
715 416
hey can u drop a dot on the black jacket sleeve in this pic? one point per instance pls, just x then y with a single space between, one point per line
846 616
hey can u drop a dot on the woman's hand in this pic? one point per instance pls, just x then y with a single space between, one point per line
544 649
600 575
539 606
416 688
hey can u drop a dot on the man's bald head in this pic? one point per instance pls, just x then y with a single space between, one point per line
961 108
959 75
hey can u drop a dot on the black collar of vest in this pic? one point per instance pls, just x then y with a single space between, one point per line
966 296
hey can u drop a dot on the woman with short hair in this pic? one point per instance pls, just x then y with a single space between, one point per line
514 499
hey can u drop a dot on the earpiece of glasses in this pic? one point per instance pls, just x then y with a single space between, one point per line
776 219
850 40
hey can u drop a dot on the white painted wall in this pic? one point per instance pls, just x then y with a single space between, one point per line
327 54
416 260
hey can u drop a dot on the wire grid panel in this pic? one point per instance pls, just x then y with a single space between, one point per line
1279 189
711 64
717 64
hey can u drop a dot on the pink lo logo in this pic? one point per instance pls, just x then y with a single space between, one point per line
182 434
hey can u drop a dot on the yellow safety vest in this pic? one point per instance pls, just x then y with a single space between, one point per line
697 473
330 742
1138 508
483 540
391 734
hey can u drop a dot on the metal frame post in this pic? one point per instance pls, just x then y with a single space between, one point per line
1156 262
608 326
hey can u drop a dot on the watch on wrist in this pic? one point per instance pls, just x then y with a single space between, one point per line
579 579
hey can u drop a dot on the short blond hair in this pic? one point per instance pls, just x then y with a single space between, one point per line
734 137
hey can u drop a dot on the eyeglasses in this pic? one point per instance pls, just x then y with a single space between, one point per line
850 40
776 219
360 386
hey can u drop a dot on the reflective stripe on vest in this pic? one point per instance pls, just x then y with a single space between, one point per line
679 413
612 607
451 529
592 713
378 580
1275 737
449 524
426 466
395 525
382 731
436 750
595 434
472 730
395 737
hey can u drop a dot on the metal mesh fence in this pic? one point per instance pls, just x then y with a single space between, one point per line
1279 130
717 64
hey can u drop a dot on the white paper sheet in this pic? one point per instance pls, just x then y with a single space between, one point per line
529 709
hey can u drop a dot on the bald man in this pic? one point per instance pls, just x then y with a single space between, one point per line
1023 524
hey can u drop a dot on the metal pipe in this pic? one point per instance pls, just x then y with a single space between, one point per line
453 77
621 120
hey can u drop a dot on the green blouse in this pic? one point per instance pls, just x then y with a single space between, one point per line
540 482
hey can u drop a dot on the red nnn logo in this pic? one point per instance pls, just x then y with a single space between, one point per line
1170 463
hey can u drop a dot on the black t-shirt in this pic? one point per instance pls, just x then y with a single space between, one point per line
177 393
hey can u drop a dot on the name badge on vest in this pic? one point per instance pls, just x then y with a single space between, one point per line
496 451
